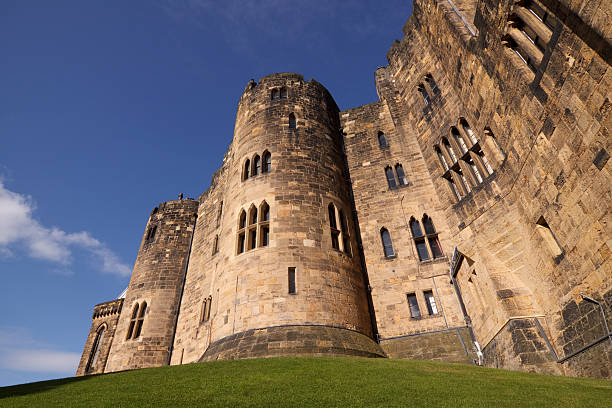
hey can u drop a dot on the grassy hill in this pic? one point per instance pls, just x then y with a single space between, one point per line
313 382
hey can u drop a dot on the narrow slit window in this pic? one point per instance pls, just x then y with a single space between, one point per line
216 244
430 301
415 312
220 213
291 280
333 226
292 123
386 242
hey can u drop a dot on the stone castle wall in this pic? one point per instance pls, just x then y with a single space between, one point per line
525 202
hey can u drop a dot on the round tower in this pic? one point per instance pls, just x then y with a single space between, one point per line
287 278
146 326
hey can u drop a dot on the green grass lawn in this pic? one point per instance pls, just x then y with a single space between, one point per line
314 382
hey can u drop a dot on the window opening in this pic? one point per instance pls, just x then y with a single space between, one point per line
95 349
382 140
442 159
219 214
256 165
266 162
415 313
548 237
216 244
399 170
275 94
449 149
333 226
432 237
283 93
133 320
386 242
291 280
292 123
424 94
459 140
390 177
140 321
430 301
247 167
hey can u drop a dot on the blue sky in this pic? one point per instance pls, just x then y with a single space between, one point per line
109 108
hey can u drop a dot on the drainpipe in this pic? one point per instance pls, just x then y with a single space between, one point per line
455 262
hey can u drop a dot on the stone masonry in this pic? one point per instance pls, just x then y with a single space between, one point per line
464 216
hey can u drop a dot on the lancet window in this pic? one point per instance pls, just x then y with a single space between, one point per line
253 228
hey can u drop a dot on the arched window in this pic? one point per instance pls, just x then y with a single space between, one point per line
242 220
264 224
432 84
256 165
441 158
382 140
275 93
399 170
247 168
333 226
468 131
253 228
265 212
133 320
386 242
432 237
252 234
283 93
266 162
473 169
346 242
95 349
292 123
453 187
424 94
206 306
140 321
449 149
459 139
390 177
253 215
241 247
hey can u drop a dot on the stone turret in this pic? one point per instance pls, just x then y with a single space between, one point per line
147 323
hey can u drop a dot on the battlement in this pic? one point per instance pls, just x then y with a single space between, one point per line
110 308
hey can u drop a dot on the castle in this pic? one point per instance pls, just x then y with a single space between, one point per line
464 217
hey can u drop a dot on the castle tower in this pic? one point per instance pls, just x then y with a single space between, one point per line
284 276
146 325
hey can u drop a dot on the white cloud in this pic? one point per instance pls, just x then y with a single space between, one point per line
40 361
20 352
19 228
